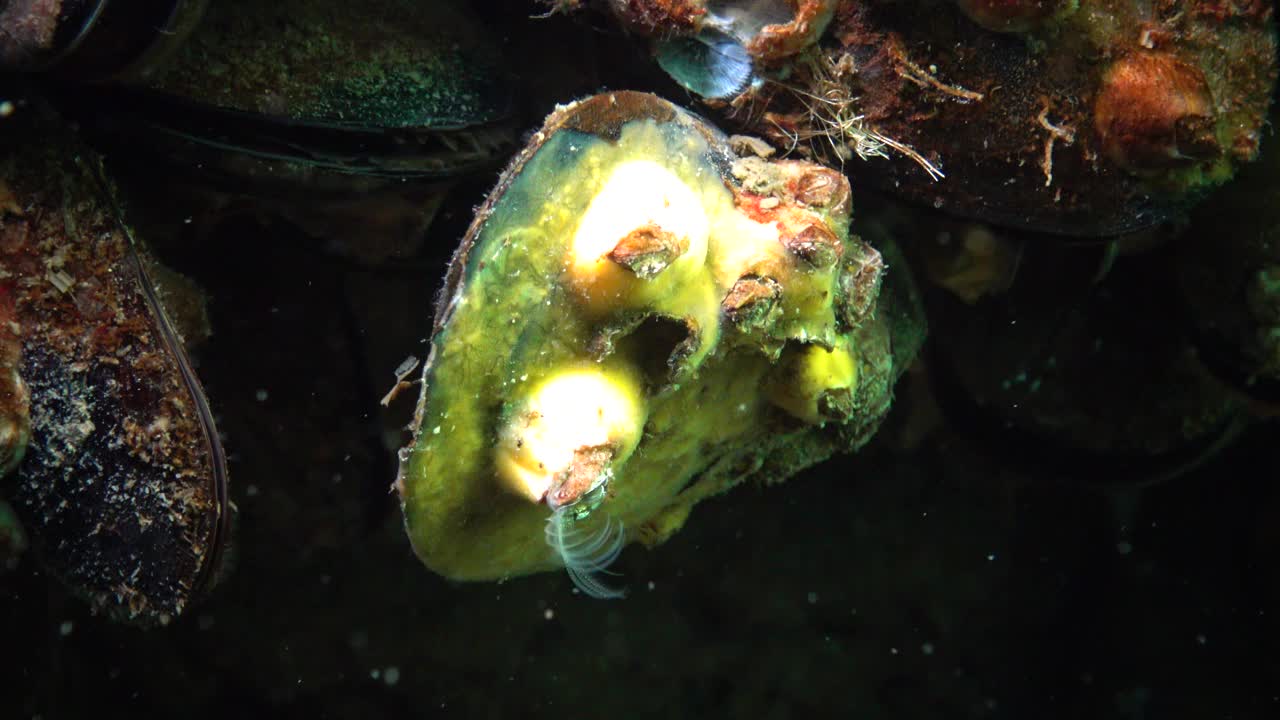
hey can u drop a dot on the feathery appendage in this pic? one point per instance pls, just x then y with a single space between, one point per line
712 65
586 553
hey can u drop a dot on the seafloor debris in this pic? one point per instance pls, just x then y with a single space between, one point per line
122 487
636 320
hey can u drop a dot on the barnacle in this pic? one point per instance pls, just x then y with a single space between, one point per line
638 319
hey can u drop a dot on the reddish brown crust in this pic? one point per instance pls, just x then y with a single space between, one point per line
1257 11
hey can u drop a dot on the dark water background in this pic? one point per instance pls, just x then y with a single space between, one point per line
945 581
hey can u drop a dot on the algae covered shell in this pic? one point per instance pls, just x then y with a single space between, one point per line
637 319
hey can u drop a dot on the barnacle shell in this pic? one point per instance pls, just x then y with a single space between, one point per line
721 319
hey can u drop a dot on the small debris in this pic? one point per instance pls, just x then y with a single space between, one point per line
746 144
61 280
403 370
406 366
1065 133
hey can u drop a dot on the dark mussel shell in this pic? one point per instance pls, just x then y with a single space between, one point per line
123 486
314 103
1229 283
1078 379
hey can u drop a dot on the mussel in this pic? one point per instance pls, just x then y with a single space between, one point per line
122 485
347 119
638 319
1074 377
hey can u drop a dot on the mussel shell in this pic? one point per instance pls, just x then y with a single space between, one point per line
1222 271
1076 380
312 104
371 63
243 151
123 488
